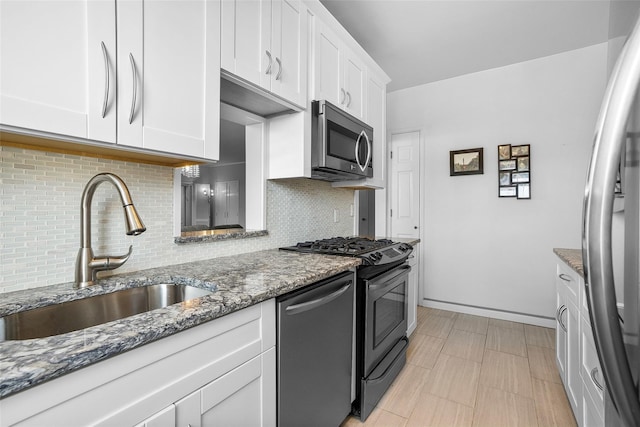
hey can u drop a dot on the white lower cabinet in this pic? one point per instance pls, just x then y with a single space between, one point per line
219 373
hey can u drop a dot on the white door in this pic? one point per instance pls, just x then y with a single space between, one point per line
168 76
58 65
404 183
288 45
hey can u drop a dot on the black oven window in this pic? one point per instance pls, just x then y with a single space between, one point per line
388 312
341 142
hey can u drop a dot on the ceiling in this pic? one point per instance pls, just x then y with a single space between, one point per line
422 41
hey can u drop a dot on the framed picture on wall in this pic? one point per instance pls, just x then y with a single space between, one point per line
524 191
504 152
523 163
510 191
466 162
519 150
507 165
505 178
518 177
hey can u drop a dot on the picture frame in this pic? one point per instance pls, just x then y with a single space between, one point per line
524 191
523 164
505 178
519 150
504 152
466 162
507 165
520 177
508 191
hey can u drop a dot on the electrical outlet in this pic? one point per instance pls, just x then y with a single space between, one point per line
336 214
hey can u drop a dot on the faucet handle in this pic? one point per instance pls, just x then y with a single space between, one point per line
109 262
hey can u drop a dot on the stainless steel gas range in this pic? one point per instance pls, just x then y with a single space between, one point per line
381 312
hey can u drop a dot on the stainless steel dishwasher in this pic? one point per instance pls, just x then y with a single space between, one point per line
315 349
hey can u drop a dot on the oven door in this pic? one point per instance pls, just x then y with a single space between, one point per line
385 315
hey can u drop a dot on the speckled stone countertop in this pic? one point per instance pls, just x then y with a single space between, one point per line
238 282
573 258
215 235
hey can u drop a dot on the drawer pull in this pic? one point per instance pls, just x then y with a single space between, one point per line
279 68
134 75
565 277
594 371
270 62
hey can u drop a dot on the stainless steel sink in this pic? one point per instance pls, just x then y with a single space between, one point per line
79 314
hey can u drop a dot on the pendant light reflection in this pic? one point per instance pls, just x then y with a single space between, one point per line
192 171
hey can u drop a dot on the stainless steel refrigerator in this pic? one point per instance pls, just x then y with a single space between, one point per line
611 229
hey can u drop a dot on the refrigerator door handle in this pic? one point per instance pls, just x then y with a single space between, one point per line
596 231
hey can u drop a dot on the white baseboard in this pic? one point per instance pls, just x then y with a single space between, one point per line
488 312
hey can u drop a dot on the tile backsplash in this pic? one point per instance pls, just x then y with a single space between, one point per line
40 211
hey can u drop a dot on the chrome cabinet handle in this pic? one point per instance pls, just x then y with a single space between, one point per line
279 68
349 97
562 325
270 62
594 371
134 74
565 277
609 142
343 94
107 78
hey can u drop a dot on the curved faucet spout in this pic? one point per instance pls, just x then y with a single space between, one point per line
86 264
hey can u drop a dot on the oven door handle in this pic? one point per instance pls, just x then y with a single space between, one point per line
310 305
388 277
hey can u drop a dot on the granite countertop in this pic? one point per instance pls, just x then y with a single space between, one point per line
238 281
573 258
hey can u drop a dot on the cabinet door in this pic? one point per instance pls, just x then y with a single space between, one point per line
246 40
573 382
354 85
289 47
328 66
242 397
168 76
58 67
376 118
164 418
412 293
561 332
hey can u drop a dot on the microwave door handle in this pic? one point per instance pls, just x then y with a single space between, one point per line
360 165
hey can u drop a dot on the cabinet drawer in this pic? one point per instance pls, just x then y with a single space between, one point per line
572 280
590 368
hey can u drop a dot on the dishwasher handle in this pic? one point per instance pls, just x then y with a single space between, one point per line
310 305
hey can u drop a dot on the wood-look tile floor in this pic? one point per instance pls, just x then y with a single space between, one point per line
465 370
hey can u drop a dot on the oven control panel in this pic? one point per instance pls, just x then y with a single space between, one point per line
388 255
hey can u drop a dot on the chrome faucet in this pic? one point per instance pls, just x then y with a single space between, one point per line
86 264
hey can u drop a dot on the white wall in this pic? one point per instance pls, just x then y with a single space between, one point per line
40 211
481 250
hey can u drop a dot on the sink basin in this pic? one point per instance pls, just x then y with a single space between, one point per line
79 314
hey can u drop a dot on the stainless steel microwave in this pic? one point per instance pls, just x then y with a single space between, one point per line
341 145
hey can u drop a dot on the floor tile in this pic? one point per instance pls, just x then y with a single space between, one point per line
506 340
454 379
552 405
435 411
443 313
501 408
542 362
506 324
404 391
471 323
378 418
423 350
436 326
506 372
542 337
466 345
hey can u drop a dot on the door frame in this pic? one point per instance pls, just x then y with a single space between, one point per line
421 204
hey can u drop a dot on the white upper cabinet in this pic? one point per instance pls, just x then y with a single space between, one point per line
340 75
58 67
168 76
63 60
265 43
